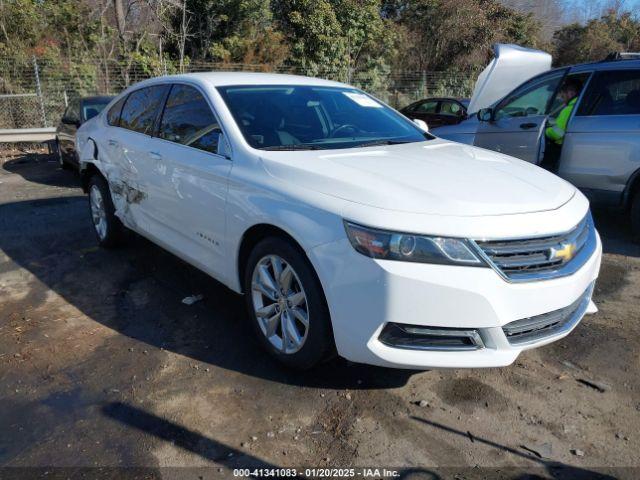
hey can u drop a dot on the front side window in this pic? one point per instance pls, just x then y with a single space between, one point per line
530 99
296 117
141 109
187 119
612 93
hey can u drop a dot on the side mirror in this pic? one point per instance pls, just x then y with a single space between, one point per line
485 114
421 124
71 121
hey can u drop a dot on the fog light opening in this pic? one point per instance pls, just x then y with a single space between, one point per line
416 337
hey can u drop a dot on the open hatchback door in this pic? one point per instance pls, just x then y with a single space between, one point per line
511 67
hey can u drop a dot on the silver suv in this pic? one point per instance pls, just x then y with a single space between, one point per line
600 153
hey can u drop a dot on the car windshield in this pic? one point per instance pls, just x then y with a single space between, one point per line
91 108
292 117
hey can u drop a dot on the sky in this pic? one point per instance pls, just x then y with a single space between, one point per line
555 13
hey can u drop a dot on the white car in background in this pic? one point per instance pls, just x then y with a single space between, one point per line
348 229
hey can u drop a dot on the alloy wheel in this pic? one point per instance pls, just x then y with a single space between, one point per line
98 213
280 304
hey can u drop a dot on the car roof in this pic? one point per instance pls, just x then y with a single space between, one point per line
455 99
622 64
219 79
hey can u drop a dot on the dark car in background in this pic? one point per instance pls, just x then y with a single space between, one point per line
77 112
437 112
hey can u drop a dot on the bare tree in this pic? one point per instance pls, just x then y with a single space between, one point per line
164 11
550 13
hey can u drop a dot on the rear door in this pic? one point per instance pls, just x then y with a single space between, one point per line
602 145
517 128
189 180
128 147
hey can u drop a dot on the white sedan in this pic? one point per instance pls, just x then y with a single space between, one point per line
347 227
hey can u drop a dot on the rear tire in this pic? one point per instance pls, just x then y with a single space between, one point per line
635 217
108 228
63 163
286 305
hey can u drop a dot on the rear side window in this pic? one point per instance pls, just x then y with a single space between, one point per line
613 93
426 107
141 109
113 115
188 120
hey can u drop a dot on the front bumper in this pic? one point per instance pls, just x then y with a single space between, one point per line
365 294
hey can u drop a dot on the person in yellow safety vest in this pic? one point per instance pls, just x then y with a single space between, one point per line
558 126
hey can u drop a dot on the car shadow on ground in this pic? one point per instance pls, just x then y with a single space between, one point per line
614 227
40 168
138 289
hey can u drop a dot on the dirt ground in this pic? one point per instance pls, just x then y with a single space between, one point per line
102 365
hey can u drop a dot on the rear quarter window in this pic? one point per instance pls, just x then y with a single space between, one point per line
113 115
142 107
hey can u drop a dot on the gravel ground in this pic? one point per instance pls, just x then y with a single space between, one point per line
102 365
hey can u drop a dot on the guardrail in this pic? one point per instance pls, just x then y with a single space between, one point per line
27 135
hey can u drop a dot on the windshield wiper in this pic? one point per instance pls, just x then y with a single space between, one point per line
377 143
297 146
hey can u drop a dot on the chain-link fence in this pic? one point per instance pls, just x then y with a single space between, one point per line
35 92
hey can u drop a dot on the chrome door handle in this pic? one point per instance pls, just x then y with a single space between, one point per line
155 155
113 143
527 126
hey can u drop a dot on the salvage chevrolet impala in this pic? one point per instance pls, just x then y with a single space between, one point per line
347 227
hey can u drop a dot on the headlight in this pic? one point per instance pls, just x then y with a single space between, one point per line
408 247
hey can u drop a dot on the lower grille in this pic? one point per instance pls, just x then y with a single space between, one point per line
541 258
534 329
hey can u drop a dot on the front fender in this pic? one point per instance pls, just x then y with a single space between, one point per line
309 225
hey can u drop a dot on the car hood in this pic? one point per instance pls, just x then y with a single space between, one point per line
435 177
511 66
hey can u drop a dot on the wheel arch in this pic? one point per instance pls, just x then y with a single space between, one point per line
87 168
254 235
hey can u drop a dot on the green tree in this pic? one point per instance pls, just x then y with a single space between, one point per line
446 34
614 32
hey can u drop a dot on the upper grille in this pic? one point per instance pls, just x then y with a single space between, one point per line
534 329
542 258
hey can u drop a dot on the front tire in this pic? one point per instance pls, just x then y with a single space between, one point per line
286 305
108 228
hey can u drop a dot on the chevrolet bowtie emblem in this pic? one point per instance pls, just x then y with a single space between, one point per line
564 252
